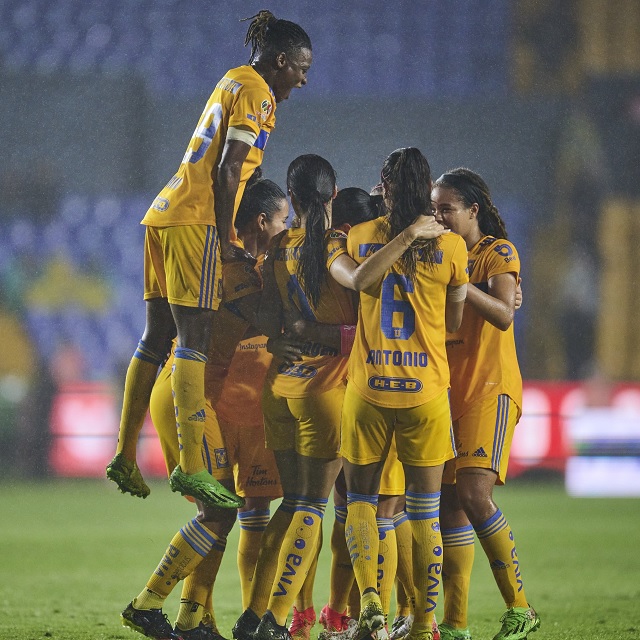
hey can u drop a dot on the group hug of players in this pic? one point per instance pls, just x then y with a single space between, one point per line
369 346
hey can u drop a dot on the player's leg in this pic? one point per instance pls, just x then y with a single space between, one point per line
492 421
424 440
317 443
142 371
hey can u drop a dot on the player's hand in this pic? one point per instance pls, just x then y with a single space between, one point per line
423 228
286 348
518 294
233 253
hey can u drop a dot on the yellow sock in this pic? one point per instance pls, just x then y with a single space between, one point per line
296 555
252 526
192 543
459 551
197 588
496 539
267 563
187 382
423 510
304 599
404 593
387 561
341 570
362 539
141 375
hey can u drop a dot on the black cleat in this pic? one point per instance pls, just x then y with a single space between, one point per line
269 629
246 625
149 622
201 632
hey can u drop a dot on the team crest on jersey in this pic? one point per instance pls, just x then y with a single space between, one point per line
222 459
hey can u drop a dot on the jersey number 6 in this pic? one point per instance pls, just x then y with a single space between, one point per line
391 306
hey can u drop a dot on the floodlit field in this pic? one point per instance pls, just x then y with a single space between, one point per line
76 552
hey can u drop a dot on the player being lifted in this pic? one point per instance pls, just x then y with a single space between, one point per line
189 234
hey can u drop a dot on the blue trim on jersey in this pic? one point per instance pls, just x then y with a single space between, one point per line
261 140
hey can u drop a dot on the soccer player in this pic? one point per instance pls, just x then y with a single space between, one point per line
486 401
198 547
302 405
189 234
398 384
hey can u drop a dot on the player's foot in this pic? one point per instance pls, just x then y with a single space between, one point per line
246 625
204 487
333 620
301 623
126 474
269 629
447 632
149 622
401 626
371 619
517 623
201 632
420 635
345 634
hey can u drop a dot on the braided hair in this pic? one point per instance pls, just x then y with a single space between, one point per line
270 36
312 181
472 189
407 177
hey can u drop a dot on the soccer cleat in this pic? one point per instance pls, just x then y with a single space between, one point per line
301 623
127 476
421 635
204 487
447 632
371 619
332 620
246 625
269 629
517 623
400 627
201 632
149 622
345 634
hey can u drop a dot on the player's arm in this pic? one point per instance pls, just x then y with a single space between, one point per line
454 308
497 306
306 330
226 185
359 277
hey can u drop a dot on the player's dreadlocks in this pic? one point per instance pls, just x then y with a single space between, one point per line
471 188
407 178
269 36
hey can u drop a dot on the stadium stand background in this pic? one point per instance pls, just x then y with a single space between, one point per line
98 99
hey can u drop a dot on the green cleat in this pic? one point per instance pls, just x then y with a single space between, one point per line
371 619
517 623
127 476
204 487
447 632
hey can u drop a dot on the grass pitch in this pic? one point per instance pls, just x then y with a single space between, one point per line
76 552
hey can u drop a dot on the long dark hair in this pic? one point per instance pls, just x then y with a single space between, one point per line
270 36
352 206
471 188
261 196
312 181
406 175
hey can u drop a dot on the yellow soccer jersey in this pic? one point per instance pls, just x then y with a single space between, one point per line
482 358
241 99
321 368
229 327
399 358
